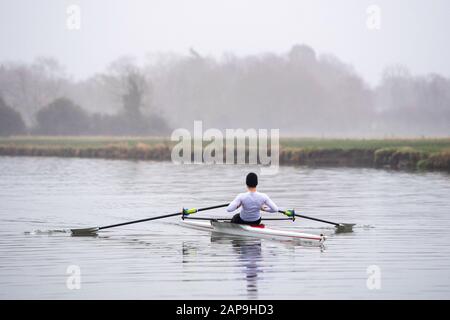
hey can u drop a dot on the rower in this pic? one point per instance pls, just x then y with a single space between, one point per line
251 203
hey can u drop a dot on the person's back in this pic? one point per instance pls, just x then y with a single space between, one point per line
251 203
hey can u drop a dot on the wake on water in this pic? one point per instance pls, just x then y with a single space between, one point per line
39 232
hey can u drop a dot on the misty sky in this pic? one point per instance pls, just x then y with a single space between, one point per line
413 33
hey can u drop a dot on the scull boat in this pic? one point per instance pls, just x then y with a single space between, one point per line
226 227
258 231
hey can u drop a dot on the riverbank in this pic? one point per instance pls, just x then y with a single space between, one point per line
410 154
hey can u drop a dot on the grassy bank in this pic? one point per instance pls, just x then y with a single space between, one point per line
422 154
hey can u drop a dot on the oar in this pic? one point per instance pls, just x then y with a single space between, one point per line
340 227
93 230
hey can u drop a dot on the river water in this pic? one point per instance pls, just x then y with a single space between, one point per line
399 248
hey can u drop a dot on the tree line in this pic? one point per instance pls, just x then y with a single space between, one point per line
63 116
300 92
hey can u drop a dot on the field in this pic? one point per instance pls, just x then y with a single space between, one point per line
422 145
78 141
423 153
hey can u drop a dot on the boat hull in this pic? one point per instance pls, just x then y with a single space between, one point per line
256 232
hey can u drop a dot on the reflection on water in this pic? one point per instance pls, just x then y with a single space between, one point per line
248 252
402 227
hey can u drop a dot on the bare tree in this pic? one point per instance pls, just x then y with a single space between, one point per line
11 122
27 88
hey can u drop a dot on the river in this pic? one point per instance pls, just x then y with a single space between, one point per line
399 247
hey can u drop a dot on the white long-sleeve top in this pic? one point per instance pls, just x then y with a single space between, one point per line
251 203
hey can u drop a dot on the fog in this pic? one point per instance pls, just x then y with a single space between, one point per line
309 68
299 92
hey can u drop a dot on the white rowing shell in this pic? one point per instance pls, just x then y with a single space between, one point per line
256 231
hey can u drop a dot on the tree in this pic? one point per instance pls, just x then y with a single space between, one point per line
62 117
132 98
128 83
11 122
28 87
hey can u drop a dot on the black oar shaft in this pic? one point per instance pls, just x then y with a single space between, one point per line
315 219
141 220
214 207
311 218
158 217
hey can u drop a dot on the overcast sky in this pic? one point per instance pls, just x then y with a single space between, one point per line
414 33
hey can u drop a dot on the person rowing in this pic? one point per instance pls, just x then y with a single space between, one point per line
251 203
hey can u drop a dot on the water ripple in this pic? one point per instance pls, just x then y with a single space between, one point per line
402 227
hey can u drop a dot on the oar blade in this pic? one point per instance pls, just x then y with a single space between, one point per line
84 232
344 227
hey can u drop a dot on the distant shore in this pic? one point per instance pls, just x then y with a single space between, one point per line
403 154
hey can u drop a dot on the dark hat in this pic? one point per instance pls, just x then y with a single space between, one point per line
251 180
